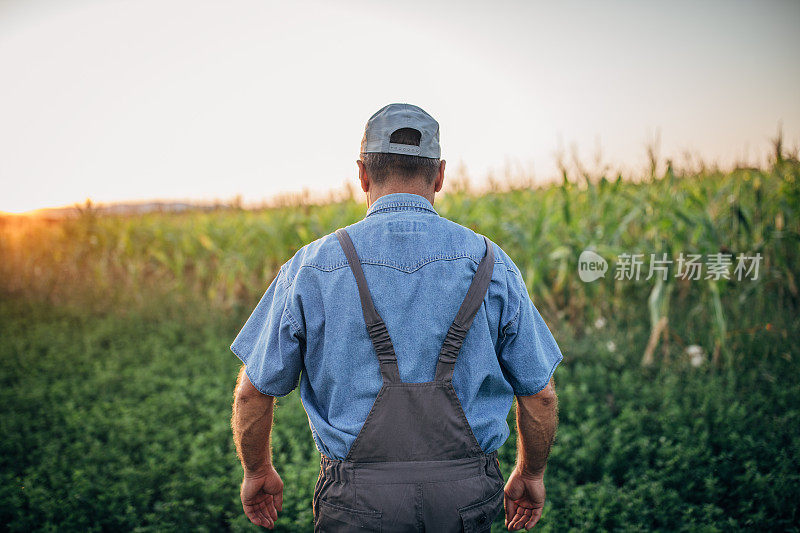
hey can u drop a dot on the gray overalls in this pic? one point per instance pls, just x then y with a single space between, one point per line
415 465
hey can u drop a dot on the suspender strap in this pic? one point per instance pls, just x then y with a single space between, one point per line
375 325
466 313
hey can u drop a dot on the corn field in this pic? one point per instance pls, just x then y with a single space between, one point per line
224 258
679 397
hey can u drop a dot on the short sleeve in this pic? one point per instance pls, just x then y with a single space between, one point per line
271 342
528 352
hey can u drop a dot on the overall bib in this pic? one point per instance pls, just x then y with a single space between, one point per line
415 465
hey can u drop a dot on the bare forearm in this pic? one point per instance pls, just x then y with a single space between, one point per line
537 420
252 424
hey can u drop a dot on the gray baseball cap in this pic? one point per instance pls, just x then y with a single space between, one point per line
393 117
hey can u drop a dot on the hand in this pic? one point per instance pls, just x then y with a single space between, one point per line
524 500
262 496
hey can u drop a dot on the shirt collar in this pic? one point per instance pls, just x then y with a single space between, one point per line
400 201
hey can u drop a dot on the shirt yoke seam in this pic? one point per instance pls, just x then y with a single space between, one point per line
283 278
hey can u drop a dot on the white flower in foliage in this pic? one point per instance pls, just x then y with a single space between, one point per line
611 346
600 323
696 354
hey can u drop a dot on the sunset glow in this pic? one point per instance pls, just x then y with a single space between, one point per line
126 101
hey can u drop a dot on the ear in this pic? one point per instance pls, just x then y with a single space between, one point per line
437 185
362 175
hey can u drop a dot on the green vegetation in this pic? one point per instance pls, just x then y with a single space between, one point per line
117 379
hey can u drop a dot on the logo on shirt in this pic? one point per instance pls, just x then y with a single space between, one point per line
591 266
406 226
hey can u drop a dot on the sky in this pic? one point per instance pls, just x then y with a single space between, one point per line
198 100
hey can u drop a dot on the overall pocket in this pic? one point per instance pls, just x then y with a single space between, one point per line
332 518
478 517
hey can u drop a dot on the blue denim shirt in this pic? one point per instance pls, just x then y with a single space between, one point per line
309 326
